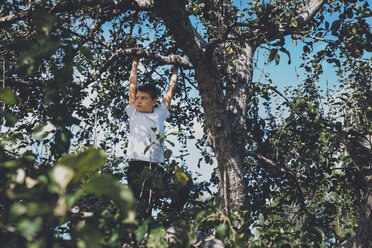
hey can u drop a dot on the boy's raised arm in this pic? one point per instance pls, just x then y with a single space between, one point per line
133 81
172 86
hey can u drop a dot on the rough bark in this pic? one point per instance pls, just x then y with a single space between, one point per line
233 187
360 149
363 237
364 231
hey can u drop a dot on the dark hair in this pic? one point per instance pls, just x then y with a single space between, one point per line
150 89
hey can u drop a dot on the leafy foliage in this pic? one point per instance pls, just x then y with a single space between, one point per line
56 190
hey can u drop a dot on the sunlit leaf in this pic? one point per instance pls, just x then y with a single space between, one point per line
90 160
157 238
62 175
181 176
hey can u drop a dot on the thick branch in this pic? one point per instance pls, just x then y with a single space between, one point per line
309 11
306 15
177 21
10 19
133 51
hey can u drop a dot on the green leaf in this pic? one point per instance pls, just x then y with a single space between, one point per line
277 59
222 231
62 140
142 230
86 51
157 238
28 156
107 186
12 164
336 25
167 153
89 236
170 142
88 161
62 175
283 242
10 119
30 227
40 132
8 96
326 24
286 52
306 49
294 22
272 54
146 149
357 7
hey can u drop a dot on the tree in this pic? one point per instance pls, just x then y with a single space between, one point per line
45 41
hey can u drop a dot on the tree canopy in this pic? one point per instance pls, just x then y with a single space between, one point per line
293 166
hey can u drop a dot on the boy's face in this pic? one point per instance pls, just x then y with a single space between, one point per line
144 103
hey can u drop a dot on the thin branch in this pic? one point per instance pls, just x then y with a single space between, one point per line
284 170
280 94
322 39
191 83
269 161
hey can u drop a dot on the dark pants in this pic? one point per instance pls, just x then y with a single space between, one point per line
140 179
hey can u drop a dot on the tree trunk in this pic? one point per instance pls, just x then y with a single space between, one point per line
360 151
363 236
225 136
364 231
231 150
225 114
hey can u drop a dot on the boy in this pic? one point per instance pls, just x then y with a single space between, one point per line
146 121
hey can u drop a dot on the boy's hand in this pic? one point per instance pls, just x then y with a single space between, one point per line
137 51
175 57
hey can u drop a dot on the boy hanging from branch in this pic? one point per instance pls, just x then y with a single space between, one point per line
146 123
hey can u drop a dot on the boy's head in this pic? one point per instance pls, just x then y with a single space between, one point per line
146 98
150 89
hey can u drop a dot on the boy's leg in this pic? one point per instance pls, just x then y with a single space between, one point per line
141 187
134 177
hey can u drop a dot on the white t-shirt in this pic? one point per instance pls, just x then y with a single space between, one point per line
143 130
